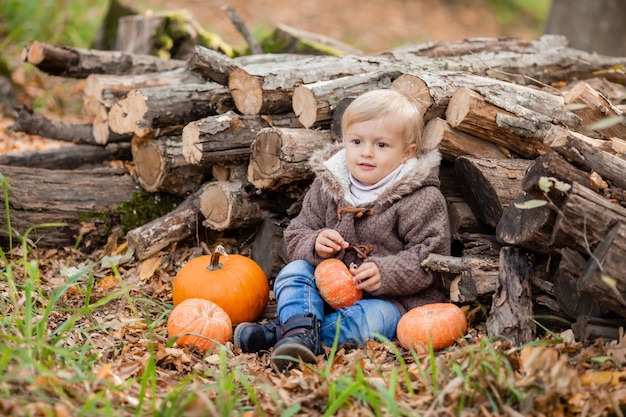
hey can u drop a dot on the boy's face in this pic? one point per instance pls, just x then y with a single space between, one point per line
374 149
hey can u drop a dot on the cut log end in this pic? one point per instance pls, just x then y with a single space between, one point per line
214 204
459 106
149 167
125 113
246 90
305 106
415 87
191 144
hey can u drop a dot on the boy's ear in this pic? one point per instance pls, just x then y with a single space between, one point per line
410 152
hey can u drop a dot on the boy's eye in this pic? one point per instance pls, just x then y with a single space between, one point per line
381 144
356 141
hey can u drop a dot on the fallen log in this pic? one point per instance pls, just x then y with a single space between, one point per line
68 157
587 154
314 103
584 219
573 301
466 278
144 110
107 89
226 138
267 88
280 156
79 133
594 108
228 205
177 225
80 63
469 112
603 277
69 199
161 167
589 329
490 185
453 143
530 228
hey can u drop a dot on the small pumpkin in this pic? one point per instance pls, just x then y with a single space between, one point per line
335 284
199 323
438 323
237 284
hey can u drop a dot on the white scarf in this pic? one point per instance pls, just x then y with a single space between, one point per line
362 194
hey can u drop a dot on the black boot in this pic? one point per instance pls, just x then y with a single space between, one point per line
253 337
300 340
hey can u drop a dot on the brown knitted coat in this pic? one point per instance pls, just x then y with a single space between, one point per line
400 228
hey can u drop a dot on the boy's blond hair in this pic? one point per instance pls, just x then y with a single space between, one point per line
400 110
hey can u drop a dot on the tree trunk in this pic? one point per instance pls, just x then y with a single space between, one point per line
591 26
227 205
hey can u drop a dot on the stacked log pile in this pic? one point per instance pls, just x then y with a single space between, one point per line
532 135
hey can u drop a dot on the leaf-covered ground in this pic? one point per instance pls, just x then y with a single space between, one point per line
117 314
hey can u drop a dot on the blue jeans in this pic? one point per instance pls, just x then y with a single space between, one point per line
296 293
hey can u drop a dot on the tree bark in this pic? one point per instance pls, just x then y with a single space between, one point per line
596 108
226 138
584 219
68 157
280 156
80 63
75 198
574 302
511 314
466 278
530 228
453 143
267 88
469 112
148 109
603 277
314 103
490 185
177 225
79 133
588 154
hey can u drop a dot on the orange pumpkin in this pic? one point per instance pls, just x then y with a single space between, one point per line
335 284
237 284
439 323
200 323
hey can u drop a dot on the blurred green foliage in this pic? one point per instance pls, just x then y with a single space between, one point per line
528 13
61 22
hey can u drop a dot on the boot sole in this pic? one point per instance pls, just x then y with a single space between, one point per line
281 356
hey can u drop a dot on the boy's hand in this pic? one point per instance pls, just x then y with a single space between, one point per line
366 276
329 242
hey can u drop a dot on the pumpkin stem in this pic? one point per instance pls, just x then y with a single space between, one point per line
215 258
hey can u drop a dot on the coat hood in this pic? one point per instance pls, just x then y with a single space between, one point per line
329 165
